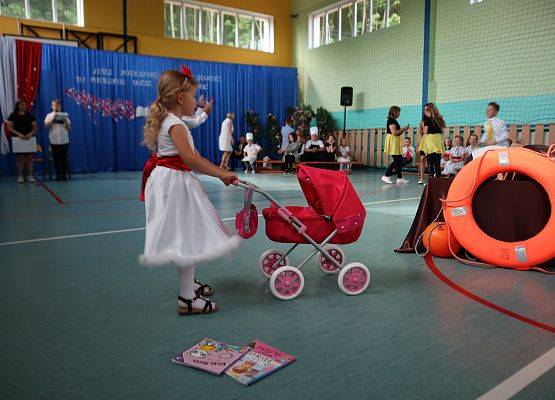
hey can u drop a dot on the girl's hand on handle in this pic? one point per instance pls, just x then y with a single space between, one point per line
229 178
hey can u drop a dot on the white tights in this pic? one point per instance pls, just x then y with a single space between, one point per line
186 277
187 286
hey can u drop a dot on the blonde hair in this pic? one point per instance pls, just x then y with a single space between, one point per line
170 84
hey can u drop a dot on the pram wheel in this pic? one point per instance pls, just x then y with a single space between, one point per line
337 254
287 283
353 278
267 262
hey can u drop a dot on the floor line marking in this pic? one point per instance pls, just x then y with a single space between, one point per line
71 236
142 229
391 201
522 378
50 191
472 296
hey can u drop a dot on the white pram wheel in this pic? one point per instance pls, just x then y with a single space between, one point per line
287 283
267 262
353 278
337 254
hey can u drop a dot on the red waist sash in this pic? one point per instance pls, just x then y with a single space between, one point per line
173 162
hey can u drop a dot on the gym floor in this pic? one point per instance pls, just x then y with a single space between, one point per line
81 319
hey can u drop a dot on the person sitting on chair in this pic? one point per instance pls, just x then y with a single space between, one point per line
314 148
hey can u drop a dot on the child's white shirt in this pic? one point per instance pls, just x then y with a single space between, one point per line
410 150
344 151
499 131
470 149
166 147
252 150
457 152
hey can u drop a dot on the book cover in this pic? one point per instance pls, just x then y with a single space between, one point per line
210 355
261 361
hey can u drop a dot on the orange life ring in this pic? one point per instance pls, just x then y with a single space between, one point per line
457 209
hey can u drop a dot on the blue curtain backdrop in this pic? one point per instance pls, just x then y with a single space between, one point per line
107 143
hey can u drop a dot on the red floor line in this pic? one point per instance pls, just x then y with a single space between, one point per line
50 192
431 265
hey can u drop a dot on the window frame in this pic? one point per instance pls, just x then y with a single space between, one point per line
268 42
313 43
54 4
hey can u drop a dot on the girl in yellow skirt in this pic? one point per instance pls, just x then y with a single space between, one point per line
394 146
431 143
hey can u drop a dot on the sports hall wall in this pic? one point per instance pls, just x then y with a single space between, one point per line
146 21
496 50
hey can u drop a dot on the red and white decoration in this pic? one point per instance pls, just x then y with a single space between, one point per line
20 70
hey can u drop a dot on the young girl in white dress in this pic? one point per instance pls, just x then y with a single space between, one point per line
182 227
345 157
456 158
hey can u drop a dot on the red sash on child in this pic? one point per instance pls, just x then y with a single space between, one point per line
173 162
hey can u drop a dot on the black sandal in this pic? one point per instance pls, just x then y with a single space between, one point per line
208 308
200 291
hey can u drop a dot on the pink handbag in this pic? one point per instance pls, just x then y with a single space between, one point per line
246 220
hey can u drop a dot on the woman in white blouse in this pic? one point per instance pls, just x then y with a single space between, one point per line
226 140
58 125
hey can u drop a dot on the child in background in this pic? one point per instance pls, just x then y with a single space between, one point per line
408 152
182 226
345 157
431 142
331 148
456 158
496 132
447 153
471 145
251 151
421 154
393 146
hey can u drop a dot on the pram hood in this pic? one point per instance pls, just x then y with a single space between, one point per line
331 193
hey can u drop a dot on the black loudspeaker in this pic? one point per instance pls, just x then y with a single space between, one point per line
346 96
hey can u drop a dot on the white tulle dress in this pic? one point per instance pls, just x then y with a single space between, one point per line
182 226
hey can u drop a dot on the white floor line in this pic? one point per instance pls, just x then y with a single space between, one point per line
71 236
46 239
518 381
391 201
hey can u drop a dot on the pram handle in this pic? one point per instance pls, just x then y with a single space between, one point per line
283 212
251 186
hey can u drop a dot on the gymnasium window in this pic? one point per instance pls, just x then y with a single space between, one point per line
211 23
350 18
61 11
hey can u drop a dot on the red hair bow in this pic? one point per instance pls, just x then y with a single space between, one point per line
186 72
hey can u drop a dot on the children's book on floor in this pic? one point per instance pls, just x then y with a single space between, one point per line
211 356
261 361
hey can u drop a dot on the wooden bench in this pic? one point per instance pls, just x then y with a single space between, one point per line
258 164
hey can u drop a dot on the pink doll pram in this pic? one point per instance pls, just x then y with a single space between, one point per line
334 215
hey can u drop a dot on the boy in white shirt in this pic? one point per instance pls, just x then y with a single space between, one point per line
58 125
408 152
495 129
